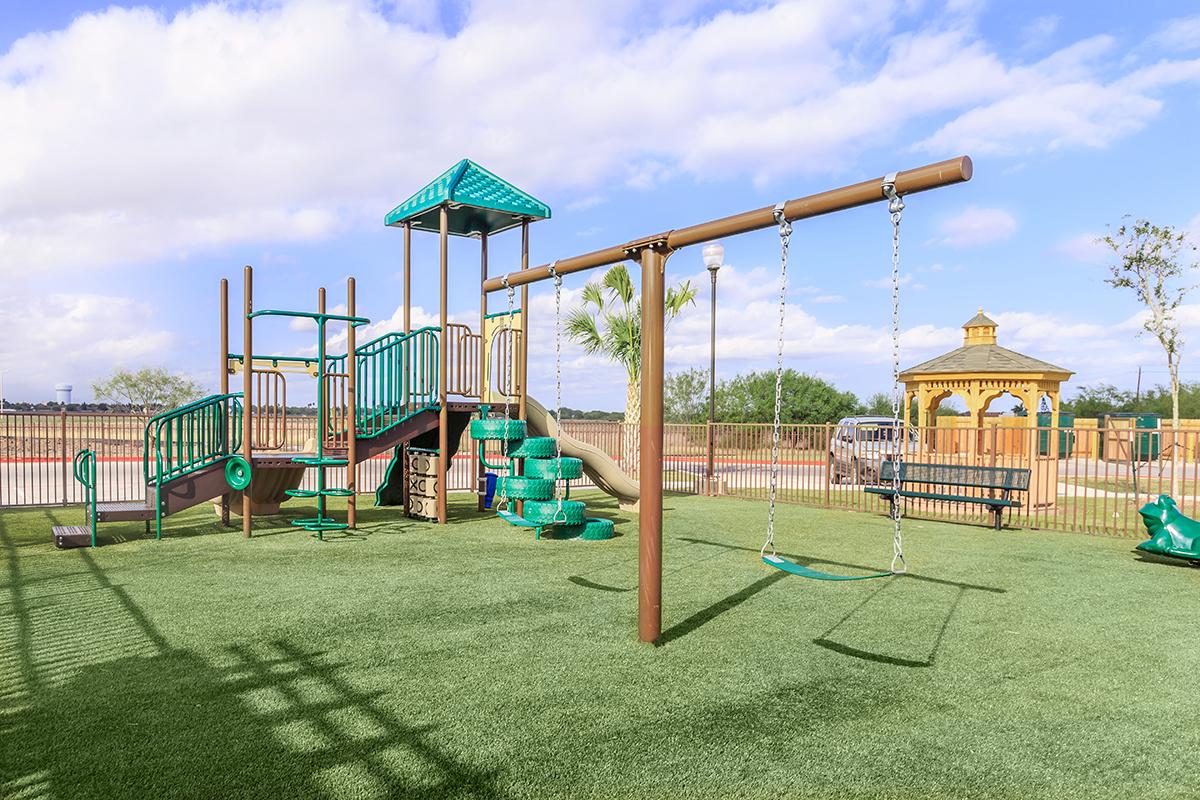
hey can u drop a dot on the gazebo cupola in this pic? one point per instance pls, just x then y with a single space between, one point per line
980 329
979 372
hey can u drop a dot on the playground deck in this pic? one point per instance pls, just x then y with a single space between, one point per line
472 661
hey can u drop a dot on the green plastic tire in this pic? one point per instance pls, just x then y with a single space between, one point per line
572 468
533 447
525 488
597 530
593 530
542 512
237 473
568 531
497 429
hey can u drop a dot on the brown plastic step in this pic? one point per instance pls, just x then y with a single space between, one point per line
72 536
124 512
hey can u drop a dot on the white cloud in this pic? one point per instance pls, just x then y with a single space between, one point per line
1083 247
1039 31
75 338
886 282
1061 101
1179 35
824 299
976 226
150 137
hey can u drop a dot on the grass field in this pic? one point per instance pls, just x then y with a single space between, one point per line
473 661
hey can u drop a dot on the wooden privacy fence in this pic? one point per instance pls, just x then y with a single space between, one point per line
1083 479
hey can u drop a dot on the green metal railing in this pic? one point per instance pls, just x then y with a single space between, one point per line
191 437
84 469
397 378
188 439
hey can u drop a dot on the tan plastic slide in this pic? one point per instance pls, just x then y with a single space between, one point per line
599 468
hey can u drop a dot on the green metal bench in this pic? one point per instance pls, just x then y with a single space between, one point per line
940 479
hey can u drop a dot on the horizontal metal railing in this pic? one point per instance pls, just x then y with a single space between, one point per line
1083 479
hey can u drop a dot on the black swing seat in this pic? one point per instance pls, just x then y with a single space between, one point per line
1001 480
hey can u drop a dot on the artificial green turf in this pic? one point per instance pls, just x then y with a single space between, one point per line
474 661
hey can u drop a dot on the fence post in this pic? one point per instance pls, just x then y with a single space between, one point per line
828 445
62 419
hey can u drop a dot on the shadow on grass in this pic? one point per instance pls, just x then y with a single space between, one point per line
809 561
1153 558
94 702
826 642
585 583
706 615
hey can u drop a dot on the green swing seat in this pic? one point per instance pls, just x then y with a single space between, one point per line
792 568
513 518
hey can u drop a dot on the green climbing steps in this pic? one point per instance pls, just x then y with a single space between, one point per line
557 518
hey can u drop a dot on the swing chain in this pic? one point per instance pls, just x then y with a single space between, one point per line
560 516
899 434
785 237
506 390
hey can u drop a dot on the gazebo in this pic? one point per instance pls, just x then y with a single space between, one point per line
979 372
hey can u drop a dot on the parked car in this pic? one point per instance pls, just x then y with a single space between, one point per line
861 444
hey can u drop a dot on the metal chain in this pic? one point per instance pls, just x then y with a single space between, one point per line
785 238
899 433
560 515
505 390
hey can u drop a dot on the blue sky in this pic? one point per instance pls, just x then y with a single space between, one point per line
152 150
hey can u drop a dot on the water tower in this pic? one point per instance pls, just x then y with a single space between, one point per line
62 393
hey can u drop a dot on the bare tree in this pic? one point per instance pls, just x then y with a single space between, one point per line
1152 263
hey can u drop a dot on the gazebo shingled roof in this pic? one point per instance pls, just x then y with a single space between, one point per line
983 358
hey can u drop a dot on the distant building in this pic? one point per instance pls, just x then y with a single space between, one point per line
62 393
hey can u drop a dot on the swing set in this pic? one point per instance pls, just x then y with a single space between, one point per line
651 253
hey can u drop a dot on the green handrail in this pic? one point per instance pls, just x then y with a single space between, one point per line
189 438
397 378
84 469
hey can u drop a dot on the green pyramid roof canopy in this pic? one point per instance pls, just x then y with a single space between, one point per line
479 202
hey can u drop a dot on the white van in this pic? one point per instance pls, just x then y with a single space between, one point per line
860 445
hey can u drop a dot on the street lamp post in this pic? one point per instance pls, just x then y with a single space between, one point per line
714 255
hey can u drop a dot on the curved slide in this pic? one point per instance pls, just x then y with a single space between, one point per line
597 465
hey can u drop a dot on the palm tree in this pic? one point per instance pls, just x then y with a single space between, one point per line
609 323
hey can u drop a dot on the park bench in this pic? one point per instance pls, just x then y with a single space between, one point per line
942 479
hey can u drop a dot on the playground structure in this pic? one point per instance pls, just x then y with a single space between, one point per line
410 393
407 391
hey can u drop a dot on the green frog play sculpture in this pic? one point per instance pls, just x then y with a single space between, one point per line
1171 533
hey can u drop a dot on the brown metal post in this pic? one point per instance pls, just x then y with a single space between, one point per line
650 459
247 392
443 363
523 350
522 366
407 277
407 329
351 410
66 459
480 484
223 336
